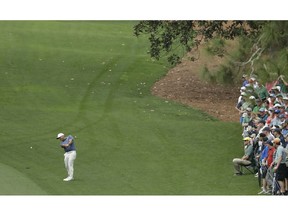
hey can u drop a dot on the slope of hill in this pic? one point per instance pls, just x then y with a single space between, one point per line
183 84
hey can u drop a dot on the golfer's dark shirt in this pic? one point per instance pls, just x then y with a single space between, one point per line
71 147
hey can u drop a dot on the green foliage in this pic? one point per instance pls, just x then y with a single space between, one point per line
216 47
265 56
167 36
274 35
164 35
174 59
207 75
262 47
224 74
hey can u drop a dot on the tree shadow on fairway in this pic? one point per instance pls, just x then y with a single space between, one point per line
13 182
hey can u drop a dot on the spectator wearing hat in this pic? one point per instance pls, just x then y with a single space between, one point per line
282 110
271 99
241 100
245 159
278 134
270 154
279 98
258 147
285 101
242 89
257 106
276 90
248 117
252 99
283 84
271 115
266 104
246 121
246 103
274 127
268 161
242 94
279 165
263 165
268 134
254 119
277 105
253 82
242 105
275 120
282 117
262 92
262 114
245 79
285 127
261 135
249 89
260 125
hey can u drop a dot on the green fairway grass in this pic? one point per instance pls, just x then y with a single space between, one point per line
92 79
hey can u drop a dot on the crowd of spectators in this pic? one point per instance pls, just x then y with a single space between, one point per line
263 114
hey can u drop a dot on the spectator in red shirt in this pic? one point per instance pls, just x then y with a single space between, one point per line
271 151
268 161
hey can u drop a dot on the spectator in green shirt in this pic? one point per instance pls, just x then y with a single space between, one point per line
262 92
283 84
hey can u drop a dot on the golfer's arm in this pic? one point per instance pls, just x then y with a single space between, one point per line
66 145
69 142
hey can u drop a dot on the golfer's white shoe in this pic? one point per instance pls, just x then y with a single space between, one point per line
68 179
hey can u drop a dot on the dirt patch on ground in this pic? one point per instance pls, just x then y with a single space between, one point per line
183 84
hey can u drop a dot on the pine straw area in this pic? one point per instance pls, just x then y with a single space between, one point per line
184 84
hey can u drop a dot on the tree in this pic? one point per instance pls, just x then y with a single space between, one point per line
169 36
263 49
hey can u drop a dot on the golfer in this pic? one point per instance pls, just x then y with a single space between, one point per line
68 144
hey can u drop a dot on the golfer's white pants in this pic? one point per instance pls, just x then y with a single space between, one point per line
69 158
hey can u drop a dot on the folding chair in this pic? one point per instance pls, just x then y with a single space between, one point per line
251 168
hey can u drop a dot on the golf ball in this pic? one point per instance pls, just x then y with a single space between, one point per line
30 147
